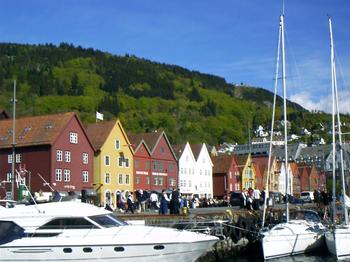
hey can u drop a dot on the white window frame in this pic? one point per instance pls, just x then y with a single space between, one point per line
127 179
66 175
85 175
8 177
107 161
9 159
107 178
120 179
59 155
58 174
120 161
85 158
117 144
18 158
73 137
67 156
126 162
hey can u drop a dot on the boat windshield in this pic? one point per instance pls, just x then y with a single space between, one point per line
305 215
107 221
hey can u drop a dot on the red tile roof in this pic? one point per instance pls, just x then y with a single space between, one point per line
34 130
222 163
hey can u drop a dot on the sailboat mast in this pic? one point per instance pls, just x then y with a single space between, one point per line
285 115
13 142
267 188
336 111
333 123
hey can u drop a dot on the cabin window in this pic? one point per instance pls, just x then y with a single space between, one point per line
73 138
59 155
68 223
158 247
87 249
107 221
67 250
10 231
119 249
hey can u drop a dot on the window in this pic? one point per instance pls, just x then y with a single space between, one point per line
66 175
162 150
147 180
137 180
73 138
107 178
58 174
18 158
59 155
8 177
67 156
137 164
171 167
85 158
190 183
68 223
126 162
160 181
117 144
9 159
120 161
147 164
172 182
120 179
107 160
155 181
127 179
85 176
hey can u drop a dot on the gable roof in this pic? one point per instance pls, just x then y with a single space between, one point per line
179 149
241 161
98 132
196 149
150 140
222 163
35 130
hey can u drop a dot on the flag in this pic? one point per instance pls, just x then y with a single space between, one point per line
99 116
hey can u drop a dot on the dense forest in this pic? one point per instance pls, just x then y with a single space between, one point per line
145 95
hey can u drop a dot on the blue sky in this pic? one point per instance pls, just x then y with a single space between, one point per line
235 39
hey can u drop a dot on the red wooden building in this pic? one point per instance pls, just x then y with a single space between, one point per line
226 175
53 146
155 164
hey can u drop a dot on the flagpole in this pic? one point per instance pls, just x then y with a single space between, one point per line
13 142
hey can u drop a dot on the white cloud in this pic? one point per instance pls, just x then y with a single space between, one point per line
324 103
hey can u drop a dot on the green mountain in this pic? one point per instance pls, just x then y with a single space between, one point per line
145 95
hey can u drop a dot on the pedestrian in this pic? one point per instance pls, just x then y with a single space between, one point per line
243 199
256 199
164 202
175 203
154 201
130 203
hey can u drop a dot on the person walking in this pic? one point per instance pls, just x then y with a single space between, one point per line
130 203
164 202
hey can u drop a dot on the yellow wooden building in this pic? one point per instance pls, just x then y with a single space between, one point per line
113 161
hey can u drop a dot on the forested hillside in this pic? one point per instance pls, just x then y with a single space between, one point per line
145 95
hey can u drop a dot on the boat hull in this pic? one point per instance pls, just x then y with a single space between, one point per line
338 242
121 253
288 240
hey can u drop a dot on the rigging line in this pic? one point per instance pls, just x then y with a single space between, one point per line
345 84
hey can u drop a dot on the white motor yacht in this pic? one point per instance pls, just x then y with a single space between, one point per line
75 231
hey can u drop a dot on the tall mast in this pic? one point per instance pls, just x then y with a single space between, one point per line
267 190
285 116
336 111
13 142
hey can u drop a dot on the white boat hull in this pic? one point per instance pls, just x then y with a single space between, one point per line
125 253
295 237
338 242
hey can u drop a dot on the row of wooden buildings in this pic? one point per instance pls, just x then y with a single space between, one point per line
59 152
